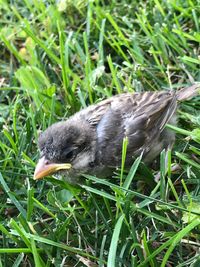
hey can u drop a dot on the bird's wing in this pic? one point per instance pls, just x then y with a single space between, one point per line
140 116
147 122
152 109
93 114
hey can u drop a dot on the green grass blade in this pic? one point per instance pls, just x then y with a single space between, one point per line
132 172
113 245
178 238
12 197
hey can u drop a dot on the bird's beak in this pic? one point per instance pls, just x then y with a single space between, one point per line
44 168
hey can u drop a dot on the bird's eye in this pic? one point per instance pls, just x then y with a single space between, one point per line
68 154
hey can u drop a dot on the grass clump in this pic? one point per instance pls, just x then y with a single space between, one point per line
57 57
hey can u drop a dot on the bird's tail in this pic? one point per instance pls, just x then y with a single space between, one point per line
188 92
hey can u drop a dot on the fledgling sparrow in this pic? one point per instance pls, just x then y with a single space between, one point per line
90 141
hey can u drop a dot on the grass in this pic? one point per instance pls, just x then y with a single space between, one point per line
57 57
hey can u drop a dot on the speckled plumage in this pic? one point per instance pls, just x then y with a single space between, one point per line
91 140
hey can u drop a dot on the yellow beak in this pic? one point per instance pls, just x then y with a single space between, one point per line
44 168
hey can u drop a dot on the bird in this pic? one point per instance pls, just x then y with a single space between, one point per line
91 140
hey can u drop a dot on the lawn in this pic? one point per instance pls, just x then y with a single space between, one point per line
57 57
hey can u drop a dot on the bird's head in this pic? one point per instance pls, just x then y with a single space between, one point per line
66 147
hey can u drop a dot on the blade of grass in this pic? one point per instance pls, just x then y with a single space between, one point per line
124 150
185 158
114 74
113 245
18 260
172 242
17 250
162 175
56 244
41 43
45 209
12 197
38 261
101 181
178 238
132 172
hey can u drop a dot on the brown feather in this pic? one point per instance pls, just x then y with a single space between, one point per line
188 92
